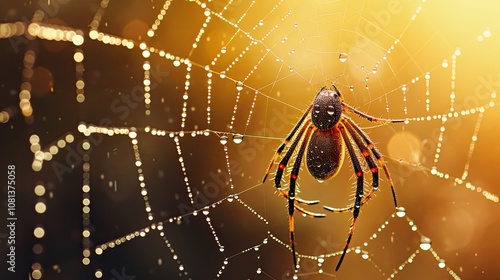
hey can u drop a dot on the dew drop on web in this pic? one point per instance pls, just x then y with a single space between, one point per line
237 138
425 243
400 212
223 140
343 57
239 86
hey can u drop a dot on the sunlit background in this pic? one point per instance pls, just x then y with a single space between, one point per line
141 131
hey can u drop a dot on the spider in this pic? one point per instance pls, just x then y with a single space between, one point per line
326 134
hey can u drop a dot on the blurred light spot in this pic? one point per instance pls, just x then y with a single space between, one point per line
77 40
70 138
37 249
405 145
39 232
36 274
78 56
39 190
40 207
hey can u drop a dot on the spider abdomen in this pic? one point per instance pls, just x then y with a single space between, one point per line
327 109
325 153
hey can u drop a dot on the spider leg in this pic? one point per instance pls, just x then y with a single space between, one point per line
377 154
348 124
291 190
373 119
349 208
286 141
299 200
339 210
284 163
359 190
305 202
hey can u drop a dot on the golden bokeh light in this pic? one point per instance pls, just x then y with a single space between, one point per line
39 232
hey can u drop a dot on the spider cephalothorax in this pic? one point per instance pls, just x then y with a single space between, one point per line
326 132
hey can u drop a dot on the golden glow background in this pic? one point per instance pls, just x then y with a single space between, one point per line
299 43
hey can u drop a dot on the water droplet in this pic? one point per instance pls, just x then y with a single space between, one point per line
400 212
343 57
223 139
206 132
221 248
321 181
425 243
230 198
223 50
222 74
351 88
321 260
365 255
442 263
205 211
445 63
374 70
239 86
330 110
237 138
261 22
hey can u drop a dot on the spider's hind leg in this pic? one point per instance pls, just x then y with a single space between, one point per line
358 171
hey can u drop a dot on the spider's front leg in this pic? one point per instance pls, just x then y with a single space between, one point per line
290 196
284 161
286 141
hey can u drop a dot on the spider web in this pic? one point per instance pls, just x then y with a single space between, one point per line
145 138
